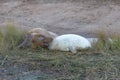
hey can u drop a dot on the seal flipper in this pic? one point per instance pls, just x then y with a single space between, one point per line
73 50
26 42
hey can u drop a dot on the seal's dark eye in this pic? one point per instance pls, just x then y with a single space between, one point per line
46 44
41 38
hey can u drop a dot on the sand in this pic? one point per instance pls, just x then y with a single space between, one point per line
83 17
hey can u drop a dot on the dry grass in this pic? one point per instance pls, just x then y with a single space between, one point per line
85 65
107 42
11 36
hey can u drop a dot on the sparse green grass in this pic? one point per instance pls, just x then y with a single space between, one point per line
65 66
100 63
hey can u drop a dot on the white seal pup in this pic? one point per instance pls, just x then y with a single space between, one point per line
69 42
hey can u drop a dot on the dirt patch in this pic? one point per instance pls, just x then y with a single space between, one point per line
83 17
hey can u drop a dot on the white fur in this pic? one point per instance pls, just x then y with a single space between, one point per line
69 42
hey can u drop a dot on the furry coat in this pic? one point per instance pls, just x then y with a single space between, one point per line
69 42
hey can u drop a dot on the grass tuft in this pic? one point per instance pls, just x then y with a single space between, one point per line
107 42
115 42
11 36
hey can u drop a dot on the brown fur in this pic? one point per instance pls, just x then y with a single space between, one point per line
33 38
42 32
37 43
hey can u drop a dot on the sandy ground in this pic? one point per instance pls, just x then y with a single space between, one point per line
82 17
